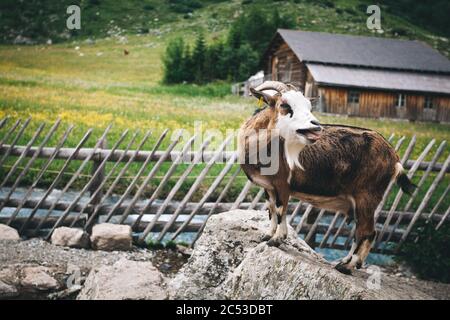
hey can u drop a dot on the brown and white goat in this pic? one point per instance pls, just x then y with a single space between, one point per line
333 167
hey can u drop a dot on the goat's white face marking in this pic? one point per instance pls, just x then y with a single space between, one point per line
298 120
296 124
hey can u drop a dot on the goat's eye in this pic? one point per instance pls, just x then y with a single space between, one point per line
287 108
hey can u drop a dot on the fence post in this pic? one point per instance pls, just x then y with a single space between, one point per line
310 237
96 183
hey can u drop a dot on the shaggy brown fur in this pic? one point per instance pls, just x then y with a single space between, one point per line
347 169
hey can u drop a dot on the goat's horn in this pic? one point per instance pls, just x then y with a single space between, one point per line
273 85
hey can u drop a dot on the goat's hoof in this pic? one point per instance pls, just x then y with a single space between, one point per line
266 237
343 268
274 242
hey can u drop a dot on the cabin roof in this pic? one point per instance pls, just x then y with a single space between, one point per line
379 79
372 52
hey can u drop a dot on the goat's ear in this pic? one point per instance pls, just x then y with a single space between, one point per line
267 98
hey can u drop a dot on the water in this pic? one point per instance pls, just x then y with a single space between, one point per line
186 237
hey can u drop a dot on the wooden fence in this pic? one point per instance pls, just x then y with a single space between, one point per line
169 193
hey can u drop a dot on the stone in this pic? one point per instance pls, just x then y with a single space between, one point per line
229 261
38 278
8 233
7 291
70 237
111 237
124 280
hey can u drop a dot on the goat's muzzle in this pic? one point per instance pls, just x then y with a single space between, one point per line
312 134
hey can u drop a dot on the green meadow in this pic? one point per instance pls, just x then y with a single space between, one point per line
92 84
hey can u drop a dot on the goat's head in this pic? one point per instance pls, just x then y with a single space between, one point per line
295 121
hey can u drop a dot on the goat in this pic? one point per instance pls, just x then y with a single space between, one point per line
332 167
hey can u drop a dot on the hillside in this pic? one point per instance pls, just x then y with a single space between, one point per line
39 20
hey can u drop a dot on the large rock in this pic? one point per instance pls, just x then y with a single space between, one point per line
230 262
7 291
8 233
70 237
124 280
39 278
111 237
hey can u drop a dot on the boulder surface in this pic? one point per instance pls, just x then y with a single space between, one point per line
124 280
229 261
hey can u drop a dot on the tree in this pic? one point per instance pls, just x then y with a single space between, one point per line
173 61
235 59
198 58
214 68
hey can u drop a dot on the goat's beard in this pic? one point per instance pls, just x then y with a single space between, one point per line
292 148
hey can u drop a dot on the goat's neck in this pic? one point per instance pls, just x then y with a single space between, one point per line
292 150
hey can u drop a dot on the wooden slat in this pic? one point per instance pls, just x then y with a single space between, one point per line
257 199
87 186
40 174
444 217
399 195
174 190
75 176
311 232
219 199
304 217
207 194
24 171
330 227
57 179
65 153
240 198
13 169
165 179
195 186
295 212
419 185
147 179
6 137
16 139
424 201
438 203
98 194
3 122
93 216
137 176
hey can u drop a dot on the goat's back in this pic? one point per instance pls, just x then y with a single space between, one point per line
345 160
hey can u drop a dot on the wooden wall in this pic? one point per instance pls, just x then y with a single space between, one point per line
284 66
374 104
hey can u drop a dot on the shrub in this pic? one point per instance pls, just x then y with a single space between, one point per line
429 256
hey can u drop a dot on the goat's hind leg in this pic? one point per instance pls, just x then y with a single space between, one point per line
362 242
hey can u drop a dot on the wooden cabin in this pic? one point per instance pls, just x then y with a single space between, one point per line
363 76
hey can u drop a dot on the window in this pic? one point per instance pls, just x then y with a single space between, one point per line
428 102
400 100
353 97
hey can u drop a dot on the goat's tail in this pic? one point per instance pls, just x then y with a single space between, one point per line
403 181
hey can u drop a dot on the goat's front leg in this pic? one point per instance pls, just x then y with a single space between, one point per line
281 203
272 216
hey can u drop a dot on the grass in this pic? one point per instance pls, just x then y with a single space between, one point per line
92 85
